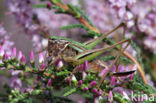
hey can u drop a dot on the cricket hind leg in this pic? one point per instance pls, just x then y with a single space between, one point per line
116 59
95 41
123 35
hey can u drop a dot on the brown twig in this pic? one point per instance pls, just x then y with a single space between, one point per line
80 19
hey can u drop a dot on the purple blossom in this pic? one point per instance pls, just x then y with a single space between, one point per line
67 80
49 5
42 67
5 56
49 83
23 60
85 88
32 58
81 67
103 72
110 97
112 81
84 74
13 54
41 58
1 51
80 101
19 55
79 83
16 82
92 84
86 65
94 91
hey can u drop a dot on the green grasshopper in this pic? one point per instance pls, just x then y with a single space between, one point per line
77 53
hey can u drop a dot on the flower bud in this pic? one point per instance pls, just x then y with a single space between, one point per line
95 90
86 65
103 72
41 58
131 76
19 55
79 83
99 93
112 80
110 97
81 67
84 75
93 83
32 58
85 88
42 67
49 83
67 80
23 60
13 53
1 51
49 5
5 56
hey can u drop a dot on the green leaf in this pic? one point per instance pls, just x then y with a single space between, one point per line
83 14
61 73
40 6
74 10
70 92
72 26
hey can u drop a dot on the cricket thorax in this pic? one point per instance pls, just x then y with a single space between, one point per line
57 46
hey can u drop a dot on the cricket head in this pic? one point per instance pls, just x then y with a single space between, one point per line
59 46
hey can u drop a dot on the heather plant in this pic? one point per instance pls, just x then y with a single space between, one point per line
112 71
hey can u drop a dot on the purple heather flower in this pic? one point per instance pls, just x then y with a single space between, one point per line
41 58
112 80
1 51
42 67
86 65
19 55
110 97
23 60
49 83
99 93
48 5
103 72
79 83
5 56
95 91
80 101
67 80
81 67
13 53
15 72
16 82
32 58
84 75
60 64
92 84
85 88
